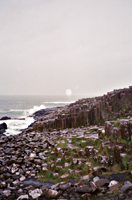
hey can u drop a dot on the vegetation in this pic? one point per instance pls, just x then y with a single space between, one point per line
69 156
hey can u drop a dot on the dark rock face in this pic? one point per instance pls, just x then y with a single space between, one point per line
86 112
124 130
3 127
43 112
5 118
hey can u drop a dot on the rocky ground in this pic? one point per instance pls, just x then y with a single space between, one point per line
63 155
70 164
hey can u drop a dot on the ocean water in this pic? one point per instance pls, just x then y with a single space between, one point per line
19 108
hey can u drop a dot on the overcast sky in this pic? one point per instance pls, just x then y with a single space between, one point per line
48 46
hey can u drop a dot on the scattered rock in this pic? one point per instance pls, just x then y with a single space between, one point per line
51 193
35 193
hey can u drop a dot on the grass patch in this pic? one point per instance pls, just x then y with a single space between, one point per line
120 140
127 161
116 123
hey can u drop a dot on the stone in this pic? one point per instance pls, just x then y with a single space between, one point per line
65 176
35 193
86 177
96 179
112 183
86 196
7 193
102 182
14 168
66 164
126 187
51 193
2 185
90 187
64 186
5 118
3 127
98 170
122 196
23 178
44 169
55 186
55 174
23 197
44 188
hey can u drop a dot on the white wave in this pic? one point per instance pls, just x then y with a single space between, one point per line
33 110
59 102
15 126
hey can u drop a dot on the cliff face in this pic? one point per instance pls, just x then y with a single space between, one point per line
89 111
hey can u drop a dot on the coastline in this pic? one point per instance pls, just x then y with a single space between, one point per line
78 162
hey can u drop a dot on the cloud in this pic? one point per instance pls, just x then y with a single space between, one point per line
47 46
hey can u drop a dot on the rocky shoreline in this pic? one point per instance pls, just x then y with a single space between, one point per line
56 159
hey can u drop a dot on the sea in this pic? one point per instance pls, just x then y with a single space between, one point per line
20 109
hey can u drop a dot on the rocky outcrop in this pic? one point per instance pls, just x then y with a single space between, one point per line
54 149
5 118
3 127
86 112
123 131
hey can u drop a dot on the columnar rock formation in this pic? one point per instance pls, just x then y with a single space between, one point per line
124 129
88 111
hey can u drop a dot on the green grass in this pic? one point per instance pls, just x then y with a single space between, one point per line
120 140
69 155
116 123
128 158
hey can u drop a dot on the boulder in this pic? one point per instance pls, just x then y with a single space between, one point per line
7 193
51 194
35 193
102 182
5 118
112 183
64 186
127 186
3 127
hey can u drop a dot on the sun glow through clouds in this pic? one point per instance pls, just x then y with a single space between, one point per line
68 92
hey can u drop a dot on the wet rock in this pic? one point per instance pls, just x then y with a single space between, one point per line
112 183
86 177
23 178
51 193
35 193
64 186
86 196
90 187
3 127
102 182
96 179
2 185
44 188
122 196
23 197
127 186
7 193
55 186
5 118
64 176
14 168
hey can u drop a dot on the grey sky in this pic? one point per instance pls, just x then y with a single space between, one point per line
48 46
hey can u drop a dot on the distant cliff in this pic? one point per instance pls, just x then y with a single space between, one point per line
89 111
